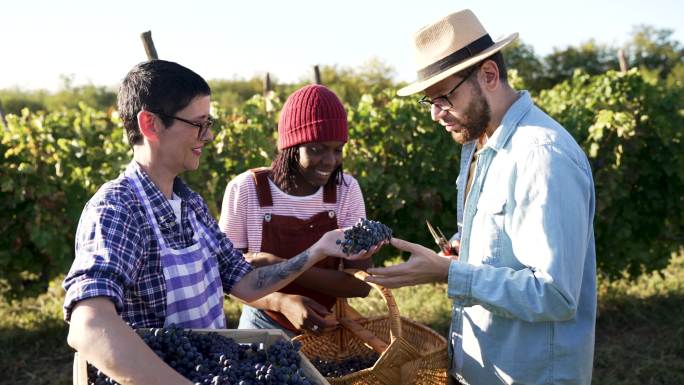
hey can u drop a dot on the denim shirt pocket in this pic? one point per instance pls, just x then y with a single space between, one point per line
491 209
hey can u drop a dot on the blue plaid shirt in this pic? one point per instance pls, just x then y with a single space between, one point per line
117 253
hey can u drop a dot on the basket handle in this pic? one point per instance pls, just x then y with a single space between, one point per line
393 309
361 333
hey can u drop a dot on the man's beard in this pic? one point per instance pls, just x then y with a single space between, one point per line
476 116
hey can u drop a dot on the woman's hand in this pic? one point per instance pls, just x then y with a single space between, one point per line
262 258
268 279
306 314
328 246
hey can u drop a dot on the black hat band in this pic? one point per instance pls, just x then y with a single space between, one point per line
462 54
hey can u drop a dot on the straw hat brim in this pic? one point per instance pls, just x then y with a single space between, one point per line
422 85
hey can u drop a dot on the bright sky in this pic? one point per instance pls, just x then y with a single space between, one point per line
98 42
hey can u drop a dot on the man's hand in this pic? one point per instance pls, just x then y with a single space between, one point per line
306 314
424 266
456 245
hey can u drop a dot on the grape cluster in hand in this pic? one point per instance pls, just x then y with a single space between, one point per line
331 368
364 234
212 359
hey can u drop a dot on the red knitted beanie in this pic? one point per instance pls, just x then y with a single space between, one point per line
312 114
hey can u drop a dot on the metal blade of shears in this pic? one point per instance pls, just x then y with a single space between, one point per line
441 234
432 231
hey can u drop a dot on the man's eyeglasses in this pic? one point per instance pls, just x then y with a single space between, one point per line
203 127
443 102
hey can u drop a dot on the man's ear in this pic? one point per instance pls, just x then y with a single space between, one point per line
148 124
490 73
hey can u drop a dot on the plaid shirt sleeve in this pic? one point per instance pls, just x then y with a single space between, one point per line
108 252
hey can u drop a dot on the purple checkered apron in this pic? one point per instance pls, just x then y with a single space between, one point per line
194 293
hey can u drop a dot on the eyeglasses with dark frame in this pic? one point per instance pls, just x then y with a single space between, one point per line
203 127
441 101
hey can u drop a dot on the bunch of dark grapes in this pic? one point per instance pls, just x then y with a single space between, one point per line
364 234
331 368
212 359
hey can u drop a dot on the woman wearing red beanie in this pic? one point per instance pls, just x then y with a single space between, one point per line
274 213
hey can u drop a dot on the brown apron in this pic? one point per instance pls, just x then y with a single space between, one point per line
286 236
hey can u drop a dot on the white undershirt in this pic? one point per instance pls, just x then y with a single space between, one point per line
175 202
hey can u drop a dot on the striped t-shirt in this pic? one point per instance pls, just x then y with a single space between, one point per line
242 217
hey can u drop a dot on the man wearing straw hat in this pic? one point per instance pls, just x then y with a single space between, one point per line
524 286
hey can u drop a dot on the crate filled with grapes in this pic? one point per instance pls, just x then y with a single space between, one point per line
222 356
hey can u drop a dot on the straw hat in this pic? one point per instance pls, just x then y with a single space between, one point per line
450 45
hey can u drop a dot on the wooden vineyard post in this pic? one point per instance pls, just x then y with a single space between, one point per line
622 60
268 95
149 45
267 83
317 75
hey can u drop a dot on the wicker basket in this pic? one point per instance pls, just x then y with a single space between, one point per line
410 353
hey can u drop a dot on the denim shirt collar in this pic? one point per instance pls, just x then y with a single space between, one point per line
510 121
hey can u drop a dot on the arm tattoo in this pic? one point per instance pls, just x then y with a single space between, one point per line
269 275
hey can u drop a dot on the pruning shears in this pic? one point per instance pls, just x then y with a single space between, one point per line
441 241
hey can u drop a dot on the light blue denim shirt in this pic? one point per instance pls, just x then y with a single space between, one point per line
524 290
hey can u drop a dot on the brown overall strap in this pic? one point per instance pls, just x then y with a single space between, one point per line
263 189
